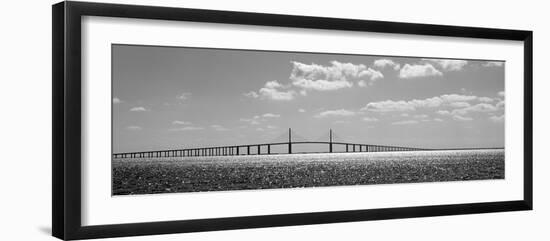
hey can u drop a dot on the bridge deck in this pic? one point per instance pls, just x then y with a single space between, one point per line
233 150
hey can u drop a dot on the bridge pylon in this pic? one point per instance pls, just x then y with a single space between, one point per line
289 141
330 141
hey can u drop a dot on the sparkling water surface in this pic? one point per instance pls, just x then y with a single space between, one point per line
223 173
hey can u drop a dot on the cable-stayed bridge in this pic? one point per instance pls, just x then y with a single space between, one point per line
291 140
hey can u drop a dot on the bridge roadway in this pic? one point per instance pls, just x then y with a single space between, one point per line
233 150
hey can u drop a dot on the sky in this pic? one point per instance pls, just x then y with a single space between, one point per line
178 97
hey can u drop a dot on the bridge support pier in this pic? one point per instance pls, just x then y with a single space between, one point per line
236 150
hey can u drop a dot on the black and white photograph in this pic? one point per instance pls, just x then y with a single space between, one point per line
190 119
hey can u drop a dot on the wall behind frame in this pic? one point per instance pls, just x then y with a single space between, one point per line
25 180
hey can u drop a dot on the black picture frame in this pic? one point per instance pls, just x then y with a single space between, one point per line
66 159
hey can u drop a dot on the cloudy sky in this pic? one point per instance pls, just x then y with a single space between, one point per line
166 97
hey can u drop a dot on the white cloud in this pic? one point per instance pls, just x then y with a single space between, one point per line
460 113
138 109
389 105
438 119
501 93
271 115
260 129
370 119
301 110
418 70
406 122
116 100
252 121
498 119
184 96
134 128
331 113
371 74
308 77
257 119
188 128
462 118
443 112
494 64
218 128
485 99
460 104
321 84
336 76
481 107
382 63
178 122
422 116
271 127
251 94
321 78
273 90
273 85
449 64
458 98
411 105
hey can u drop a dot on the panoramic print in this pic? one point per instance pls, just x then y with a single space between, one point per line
203 119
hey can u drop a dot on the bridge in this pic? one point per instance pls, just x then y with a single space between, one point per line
264 149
